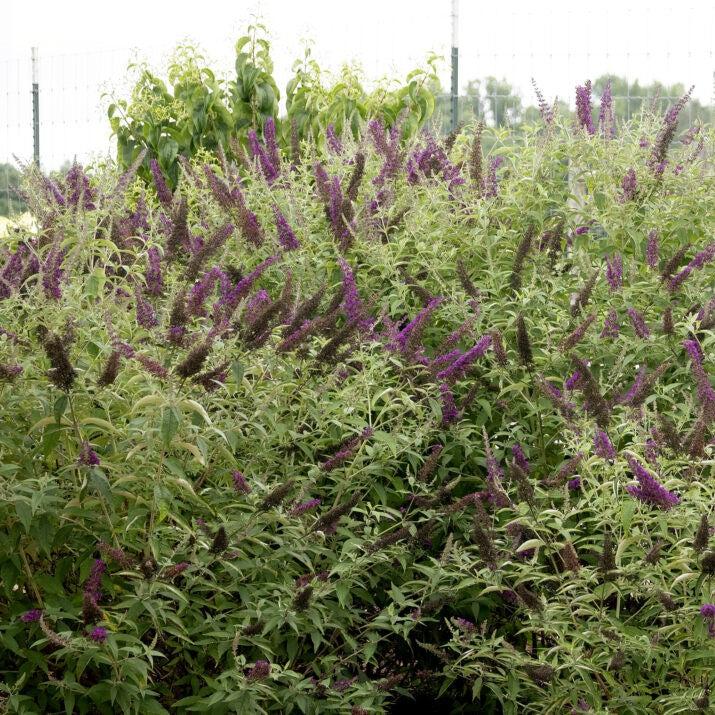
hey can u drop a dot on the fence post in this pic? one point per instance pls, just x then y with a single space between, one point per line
455 64
35 108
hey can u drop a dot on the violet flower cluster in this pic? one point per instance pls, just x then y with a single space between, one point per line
649 490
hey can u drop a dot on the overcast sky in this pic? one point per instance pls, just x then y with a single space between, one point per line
84 46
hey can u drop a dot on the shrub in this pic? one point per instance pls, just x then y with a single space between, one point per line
376 427
195 110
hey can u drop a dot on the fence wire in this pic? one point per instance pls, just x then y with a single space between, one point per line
73 92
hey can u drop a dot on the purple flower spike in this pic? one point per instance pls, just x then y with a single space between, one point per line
574 484
698 262
333 142
706 393
304 506
269 171
520 458
614 271
449 409
52 273
31 616
261 670
606 120
583 107
639 324
491 184
651 251
162 190
286 237
98 634
629 186
460 366
572 381
611 326
649 489
602 446
707 610
154 283
240 484
87 456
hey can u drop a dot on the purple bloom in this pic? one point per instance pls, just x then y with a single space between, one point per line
52 272
333 142
339 212
651 251
520 458
219 189
377 132
227 304
269 137
572 381
574 484
81 193
464 625
463 363
286 237
201 289
304 506
239 483
707 610
146 317
666 134
87 456
256 304
261 670
706 393
629 186
449 409
162 190
580 230
154 283
495 491
491 184
611 326
390 148
583 107
602 446
430 161
627 396
351 298
98 634
347 449
649 490
31 616
53 192
269 171
176 569
698 262
406 341
614 271
639 324
606 120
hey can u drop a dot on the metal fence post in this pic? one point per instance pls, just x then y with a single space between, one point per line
455 64
35 108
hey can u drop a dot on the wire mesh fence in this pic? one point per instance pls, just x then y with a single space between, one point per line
74 91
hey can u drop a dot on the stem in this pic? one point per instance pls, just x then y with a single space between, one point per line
30 579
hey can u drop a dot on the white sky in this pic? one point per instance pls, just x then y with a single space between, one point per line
84 47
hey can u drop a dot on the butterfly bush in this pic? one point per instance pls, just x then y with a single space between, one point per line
408 424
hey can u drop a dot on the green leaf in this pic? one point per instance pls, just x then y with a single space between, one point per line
170 421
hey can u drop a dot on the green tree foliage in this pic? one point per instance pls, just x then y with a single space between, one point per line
195 110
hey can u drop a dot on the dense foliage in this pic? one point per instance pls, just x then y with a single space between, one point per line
379 426
197 110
